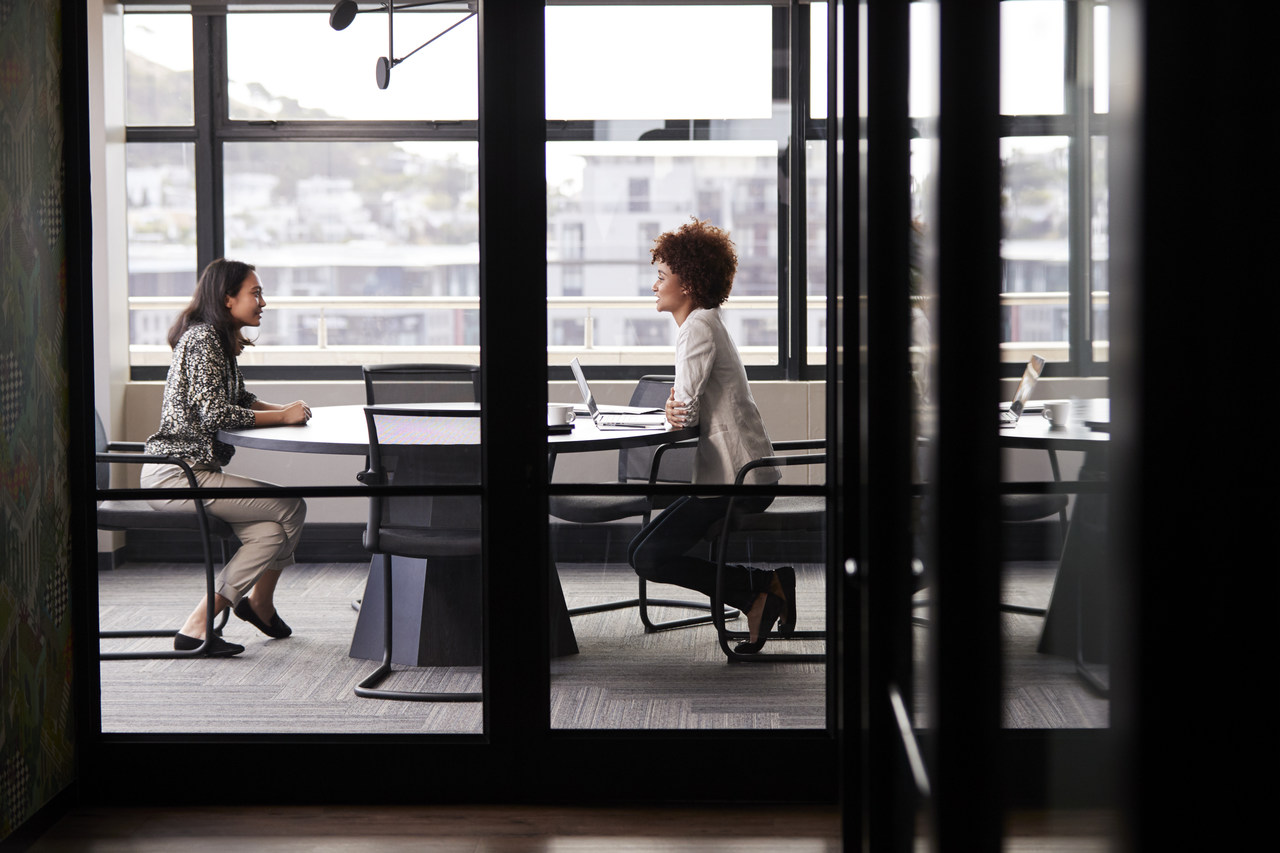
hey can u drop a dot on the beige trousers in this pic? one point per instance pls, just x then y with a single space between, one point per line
268 527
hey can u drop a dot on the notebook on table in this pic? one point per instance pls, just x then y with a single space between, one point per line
1009 416
616 417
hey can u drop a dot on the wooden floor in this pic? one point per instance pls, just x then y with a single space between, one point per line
506 829
621 679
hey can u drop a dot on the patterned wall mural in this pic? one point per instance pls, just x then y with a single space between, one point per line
36 722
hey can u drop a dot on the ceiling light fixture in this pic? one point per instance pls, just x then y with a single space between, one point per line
344 12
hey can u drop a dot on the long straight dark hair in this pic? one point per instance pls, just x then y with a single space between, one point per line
222 278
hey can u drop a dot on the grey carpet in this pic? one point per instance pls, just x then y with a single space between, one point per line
621 679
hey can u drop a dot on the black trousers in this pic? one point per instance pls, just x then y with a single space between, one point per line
659 552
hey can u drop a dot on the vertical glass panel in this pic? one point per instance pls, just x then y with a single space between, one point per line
818 60
643 60
606 203
1100 286
334 76
921 296
1034 248
161 185
1101 59
370 249
816 250
158 69
1032 51
608 199
923 92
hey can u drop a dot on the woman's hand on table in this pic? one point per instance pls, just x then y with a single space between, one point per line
296 413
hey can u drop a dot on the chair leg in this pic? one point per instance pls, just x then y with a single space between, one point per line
211 630
368 688
643 602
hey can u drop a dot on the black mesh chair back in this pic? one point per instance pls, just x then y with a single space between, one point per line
421 383
634 464
432 449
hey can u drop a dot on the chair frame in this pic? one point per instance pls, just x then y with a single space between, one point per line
722 548
376 475
642 601
130 452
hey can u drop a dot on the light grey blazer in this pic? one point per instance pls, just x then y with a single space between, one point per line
712 383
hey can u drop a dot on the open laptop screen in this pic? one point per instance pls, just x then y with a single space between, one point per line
1028 381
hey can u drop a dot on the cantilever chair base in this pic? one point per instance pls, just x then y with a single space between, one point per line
803 515
643 603
136 515
369 689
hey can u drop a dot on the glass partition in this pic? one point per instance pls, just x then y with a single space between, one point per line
684 122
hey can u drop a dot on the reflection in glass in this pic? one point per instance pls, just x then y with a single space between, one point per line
361 244
158 70
160 184
1099 238
608 200
1035 246
1101 58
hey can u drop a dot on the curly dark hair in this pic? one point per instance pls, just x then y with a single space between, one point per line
702 255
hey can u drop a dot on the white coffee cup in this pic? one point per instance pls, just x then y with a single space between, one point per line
559 414
1058 414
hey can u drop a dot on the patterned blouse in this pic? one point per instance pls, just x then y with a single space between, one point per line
204 392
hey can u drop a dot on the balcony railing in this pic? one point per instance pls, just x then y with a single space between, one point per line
584 308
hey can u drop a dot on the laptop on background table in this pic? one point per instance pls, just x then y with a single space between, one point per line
1009 415
616 417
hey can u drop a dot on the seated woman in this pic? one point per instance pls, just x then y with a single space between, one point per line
204 392
696 265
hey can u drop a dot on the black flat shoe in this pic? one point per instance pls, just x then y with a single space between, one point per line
786 577
217 648
275 628
773 607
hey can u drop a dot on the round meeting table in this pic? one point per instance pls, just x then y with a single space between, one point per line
436 620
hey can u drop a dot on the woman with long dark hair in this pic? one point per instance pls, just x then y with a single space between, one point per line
203 393
696 264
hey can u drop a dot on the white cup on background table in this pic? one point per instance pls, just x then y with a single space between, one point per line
559 414
1058 414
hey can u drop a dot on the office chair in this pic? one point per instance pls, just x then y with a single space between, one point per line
641 464
385 384
139 515
420 383
787 515
422 447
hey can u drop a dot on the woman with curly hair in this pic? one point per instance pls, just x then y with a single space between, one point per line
203 393
696 264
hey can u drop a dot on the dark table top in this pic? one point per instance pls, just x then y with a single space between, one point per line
342 430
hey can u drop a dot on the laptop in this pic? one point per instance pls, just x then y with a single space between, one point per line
616 417
1009 417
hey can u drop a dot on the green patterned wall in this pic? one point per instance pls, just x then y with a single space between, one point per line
36 719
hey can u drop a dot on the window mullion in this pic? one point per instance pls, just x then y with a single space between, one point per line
209 78
1079 105
794 305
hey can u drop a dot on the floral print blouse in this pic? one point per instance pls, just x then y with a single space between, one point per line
204 392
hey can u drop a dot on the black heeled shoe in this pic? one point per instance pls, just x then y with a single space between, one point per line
773 607
276 628
786 577
217 648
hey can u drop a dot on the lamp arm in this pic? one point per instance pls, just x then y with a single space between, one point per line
395 62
